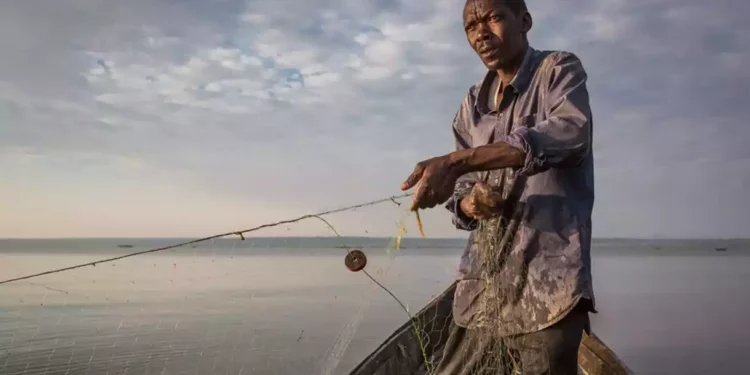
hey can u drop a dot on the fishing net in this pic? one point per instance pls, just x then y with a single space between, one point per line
247 302
431 343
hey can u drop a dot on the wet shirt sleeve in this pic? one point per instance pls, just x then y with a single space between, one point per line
564 138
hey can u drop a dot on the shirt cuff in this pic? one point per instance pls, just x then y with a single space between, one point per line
460 219
536 161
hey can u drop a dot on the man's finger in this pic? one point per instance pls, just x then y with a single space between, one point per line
413 178
417 197
467 204
422 198
427 202
484 213
479 184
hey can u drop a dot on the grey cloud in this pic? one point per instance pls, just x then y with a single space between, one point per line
672 167
667 80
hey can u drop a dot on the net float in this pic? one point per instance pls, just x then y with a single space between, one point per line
355 260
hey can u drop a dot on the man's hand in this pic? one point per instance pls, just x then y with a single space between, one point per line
435 179
483 202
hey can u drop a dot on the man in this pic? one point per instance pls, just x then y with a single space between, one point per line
521 180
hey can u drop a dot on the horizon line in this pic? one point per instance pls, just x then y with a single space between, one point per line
367 237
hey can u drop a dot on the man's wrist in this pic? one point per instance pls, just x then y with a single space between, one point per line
460 161
461 218
489 157
461 205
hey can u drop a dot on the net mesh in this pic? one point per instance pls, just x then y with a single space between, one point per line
237 305
431 343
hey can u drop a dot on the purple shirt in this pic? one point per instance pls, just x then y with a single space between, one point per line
523 271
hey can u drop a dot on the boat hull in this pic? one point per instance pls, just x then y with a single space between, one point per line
402 354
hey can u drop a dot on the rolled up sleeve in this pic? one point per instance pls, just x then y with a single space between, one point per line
564 138
466 182
460 219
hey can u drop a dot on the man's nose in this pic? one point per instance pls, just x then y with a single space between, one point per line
483 32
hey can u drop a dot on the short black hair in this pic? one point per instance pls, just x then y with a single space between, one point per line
515 6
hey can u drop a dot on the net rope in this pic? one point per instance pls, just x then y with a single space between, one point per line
155 341
240 233
14 353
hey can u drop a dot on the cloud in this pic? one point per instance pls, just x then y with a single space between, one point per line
255 110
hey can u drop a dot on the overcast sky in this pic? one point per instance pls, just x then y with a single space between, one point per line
173 118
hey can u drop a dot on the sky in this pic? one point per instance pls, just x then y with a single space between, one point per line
164 118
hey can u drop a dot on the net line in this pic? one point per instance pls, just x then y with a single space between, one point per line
416 324
240 233
416 330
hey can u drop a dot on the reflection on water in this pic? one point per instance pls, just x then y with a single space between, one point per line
204 314
264 314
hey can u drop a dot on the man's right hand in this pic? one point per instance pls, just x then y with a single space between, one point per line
483 202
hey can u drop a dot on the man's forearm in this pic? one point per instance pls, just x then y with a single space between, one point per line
488 157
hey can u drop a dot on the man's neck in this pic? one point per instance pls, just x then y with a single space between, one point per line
507 74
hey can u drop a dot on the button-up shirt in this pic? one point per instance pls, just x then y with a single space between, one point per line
526 269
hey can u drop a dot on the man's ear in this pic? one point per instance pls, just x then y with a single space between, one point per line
526 22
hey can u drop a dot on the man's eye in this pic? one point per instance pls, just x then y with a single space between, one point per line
496 18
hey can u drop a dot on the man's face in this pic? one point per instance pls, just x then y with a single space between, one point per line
494 32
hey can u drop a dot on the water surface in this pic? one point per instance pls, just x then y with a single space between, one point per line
288 306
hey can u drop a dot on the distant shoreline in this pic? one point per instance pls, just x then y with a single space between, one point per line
325 245
410 238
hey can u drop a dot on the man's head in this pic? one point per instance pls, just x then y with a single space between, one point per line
496 30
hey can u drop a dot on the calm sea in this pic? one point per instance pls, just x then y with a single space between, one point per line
288 306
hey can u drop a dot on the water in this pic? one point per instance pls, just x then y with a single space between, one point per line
288 306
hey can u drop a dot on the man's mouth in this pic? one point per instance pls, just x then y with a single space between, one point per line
488 51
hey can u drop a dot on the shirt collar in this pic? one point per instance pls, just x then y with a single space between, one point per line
519 83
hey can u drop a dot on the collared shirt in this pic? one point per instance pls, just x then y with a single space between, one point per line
526 269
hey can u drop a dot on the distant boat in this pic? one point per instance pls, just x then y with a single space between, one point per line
721 249
125 246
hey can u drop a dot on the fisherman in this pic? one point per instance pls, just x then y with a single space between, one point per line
522 181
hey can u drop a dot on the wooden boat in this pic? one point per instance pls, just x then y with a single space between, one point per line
595 358
402 353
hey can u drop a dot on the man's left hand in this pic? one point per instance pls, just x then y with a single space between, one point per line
435 180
